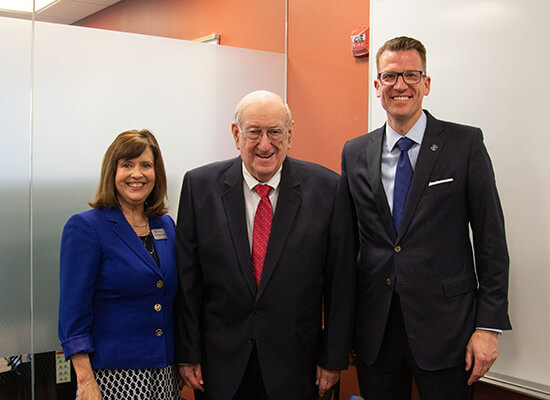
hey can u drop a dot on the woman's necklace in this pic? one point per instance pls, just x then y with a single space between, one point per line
148 243
143 232
140 229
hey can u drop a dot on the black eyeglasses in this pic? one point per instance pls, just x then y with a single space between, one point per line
254 134
411 77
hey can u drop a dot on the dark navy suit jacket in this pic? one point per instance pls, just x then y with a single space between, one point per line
115 302
446 290
222 314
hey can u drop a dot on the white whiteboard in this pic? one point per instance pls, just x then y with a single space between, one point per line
489 62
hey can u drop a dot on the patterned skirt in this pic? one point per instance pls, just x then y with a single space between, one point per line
139 384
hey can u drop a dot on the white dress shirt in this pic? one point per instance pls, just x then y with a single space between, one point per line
390 153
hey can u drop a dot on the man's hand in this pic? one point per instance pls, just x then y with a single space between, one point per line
191 376
326 379
481 352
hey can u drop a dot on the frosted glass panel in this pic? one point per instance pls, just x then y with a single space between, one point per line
92 84
15 84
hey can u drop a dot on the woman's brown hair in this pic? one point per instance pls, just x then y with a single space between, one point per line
126 146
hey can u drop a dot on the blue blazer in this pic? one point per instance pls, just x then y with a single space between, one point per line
115 302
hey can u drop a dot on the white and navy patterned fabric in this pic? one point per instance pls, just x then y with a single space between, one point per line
139 384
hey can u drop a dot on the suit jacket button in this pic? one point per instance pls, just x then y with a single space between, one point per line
158 332
160 284
397 249
388 281
158 307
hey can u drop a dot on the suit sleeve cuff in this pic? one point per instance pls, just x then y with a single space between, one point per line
77 344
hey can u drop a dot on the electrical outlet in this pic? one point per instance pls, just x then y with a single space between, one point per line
62 368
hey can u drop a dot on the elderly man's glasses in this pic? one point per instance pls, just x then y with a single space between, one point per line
390 78
254 134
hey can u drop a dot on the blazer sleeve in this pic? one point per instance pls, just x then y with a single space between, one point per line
188 304
79 264
339 292
491 252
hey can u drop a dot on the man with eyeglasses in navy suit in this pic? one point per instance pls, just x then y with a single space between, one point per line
427 306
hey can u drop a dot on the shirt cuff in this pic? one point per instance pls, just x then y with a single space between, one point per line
499 331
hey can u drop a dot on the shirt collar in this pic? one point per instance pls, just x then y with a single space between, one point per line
416 133
251 182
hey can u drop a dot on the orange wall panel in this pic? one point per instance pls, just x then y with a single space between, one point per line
327 86
250 24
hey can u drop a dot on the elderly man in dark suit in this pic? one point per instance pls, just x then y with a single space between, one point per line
427 307
264 249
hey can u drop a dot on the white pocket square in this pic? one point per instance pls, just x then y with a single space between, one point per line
439 182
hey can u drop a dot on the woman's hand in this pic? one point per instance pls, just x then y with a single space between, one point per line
88 391
87 387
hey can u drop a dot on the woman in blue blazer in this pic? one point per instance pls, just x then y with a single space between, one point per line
118 279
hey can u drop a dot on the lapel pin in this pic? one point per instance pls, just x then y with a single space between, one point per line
433 147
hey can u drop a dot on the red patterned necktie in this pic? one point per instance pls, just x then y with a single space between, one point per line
262 229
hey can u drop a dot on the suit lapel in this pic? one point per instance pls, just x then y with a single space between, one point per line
233 203
288 202
374 162
430 148
125 232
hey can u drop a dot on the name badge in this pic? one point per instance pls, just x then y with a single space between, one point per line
159 234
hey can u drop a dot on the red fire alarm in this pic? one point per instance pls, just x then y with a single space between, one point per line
360 42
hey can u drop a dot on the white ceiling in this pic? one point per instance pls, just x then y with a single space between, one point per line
64 11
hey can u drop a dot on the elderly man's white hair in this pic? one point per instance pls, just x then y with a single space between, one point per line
259 96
